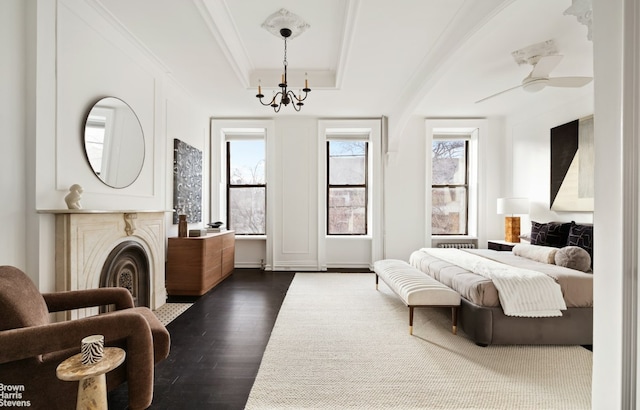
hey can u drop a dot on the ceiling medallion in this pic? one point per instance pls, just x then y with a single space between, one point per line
283 18
288 25
531 54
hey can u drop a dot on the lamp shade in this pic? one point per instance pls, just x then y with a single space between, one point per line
513 206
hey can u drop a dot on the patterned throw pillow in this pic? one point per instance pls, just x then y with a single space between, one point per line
550 234
582 236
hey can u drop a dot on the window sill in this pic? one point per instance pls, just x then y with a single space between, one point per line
454 237
251 237
348 237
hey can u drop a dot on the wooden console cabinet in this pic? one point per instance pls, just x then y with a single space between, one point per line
195 265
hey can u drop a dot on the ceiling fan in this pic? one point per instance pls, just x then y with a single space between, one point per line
539 77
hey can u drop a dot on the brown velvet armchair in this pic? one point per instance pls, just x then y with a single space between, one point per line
31 346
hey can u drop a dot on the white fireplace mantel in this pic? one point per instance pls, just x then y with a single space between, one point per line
99 211
85 238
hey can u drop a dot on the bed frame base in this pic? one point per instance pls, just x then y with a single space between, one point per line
489 325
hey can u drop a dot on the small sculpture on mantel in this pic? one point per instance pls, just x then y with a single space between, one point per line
73 197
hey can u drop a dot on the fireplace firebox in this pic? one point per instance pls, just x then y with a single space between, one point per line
127 266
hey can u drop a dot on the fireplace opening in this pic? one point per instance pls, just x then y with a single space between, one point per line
127 266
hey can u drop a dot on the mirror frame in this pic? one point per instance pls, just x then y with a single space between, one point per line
132 178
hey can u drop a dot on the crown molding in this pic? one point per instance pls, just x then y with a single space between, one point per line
221 24
117 24
350 22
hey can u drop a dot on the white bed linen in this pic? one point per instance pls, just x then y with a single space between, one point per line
522 292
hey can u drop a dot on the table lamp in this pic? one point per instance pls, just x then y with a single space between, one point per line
511 207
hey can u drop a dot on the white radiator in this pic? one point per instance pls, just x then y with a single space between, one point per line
457 245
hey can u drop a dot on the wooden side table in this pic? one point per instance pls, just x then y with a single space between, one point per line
92 389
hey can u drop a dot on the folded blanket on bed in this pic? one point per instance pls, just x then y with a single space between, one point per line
522 292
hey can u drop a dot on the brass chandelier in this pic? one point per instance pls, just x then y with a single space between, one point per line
285 96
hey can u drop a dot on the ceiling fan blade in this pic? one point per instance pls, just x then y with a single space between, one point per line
497 94
569 81
545 65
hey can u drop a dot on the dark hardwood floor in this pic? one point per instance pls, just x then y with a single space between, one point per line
217 344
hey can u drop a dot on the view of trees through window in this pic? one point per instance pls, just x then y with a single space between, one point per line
347 187
246 186
449 189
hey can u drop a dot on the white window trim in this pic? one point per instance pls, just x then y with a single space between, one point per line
355 127
235 129
478 131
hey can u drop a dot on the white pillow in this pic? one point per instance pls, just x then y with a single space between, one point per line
538 253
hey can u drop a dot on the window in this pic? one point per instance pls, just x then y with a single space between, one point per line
450 185
98 122
347 193
246 186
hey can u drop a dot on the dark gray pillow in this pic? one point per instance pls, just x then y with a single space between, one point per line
581 235
573 257
550 234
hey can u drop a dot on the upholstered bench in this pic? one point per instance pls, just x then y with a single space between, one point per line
416 288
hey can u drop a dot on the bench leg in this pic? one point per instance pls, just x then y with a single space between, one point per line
454 319
411 320
377 281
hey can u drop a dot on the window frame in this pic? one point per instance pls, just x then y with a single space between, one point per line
364 186
466 185
230 187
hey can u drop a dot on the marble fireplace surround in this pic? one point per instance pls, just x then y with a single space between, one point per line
85 238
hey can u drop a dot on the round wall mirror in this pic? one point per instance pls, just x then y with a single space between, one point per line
113 142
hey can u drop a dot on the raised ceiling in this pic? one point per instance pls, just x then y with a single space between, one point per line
365 58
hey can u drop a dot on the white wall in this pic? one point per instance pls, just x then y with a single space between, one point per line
406 188
13 207
494 183
72 56
529 137
616 213
615 251
94 60
29 179
404 199
186 122
67 89
295 239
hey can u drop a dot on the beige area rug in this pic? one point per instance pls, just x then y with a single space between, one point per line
340 344
169 311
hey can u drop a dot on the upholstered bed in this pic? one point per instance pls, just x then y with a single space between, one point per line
482 317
